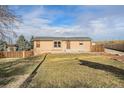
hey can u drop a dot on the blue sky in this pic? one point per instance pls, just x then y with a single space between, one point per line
97 22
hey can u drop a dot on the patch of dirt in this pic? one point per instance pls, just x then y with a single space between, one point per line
112 56
118 58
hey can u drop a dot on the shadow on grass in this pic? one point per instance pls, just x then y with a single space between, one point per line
5 81
108 68
22 60
19 70
7 75
33 58
29 79
13 68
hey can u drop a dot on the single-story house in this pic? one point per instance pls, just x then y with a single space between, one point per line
61 45
11 47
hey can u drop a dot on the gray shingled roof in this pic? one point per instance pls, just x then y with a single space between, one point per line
62 38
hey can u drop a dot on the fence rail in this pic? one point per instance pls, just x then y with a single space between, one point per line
97 48
16 54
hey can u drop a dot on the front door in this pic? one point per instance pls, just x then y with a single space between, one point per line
68 44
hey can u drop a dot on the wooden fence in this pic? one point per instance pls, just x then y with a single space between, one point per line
119 47
97 48
16 54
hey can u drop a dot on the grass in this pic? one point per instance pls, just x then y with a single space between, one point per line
63 71
79 70
12 70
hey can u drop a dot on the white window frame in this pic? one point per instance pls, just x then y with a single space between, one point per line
58 44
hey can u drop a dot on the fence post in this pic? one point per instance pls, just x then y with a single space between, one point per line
23 54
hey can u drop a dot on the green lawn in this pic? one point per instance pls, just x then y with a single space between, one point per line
79 70
13 71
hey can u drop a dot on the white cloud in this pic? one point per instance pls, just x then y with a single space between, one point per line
87 24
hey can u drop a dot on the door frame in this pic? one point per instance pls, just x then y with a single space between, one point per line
68 45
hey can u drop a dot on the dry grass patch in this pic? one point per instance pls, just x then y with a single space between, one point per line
79 70
14 71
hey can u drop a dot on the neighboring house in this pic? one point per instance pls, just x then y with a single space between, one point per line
61 45
11 47
93 43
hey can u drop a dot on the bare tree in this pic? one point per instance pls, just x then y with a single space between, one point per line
8 21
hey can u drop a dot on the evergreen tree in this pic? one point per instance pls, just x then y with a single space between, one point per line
31 42
3 45
21 42
27 46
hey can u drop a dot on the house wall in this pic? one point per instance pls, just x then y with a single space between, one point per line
48 47
11 49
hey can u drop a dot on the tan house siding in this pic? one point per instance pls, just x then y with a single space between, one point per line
75 46
47 46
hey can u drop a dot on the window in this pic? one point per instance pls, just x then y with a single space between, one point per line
38 44
80 43
57 44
